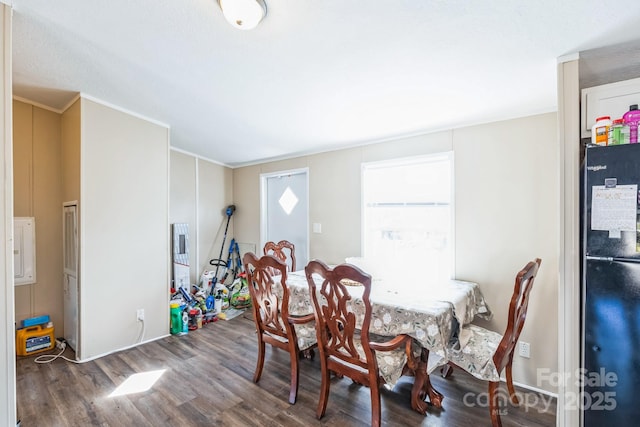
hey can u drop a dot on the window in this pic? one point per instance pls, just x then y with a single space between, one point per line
407 216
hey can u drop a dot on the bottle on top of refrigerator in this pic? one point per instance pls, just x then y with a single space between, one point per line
625 137
618 133
600 130
631 118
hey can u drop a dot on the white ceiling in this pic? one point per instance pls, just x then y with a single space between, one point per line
314 75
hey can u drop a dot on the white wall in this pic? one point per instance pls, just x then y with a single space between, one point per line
215 193
507 213
124 214
7 331
182 199
200 192
569 286
37 181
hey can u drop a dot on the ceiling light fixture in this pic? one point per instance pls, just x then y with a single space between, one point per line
243 14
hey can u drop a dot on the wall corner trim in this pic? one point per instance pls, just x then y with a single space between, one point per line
569 57
121 109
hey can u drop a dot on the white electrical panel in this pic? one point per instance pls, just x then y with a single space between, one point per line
24 250
180 245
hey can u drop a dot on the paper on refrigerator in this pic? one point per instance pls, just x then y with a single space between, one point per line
614 209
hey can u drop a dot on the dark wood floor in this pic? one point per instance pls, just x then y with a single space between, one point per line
208 382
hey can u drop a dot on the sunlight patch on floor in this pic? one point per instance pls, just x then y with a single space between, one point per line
137 383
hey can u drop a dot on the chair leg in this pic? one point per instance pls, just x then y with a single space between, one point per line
260 363
494 405
324 390
307 354
446 370
512 390
375 404
293 392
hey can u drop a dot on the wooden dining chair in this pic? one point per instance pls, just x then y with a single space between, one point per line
279 250
274 325
488 353
343 349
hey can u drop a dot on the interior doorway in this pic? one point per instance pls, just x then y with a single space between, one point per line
284 210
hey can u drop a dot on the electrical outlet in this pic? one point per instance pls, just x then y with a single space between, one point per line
524 349
140 314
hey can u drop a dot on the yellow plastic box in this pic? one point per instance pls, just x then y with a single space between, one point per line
34 339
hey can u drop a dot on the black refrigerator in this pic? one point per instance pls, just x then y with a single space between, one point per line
610 375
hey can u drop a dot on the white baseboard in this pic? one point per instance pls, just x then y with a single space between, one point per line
122 349
532 388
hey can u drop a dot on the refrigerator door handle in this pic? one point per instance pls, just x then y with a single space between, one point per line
599 258
611 259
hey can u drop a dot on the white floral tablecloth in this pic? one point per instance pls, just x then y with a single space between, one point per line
432 315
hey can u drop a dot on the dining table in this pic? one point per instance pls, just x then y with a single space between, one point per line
432 313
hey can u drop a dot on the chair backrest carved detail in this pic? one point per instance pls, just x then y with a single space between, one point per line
279 250
337 325
269 311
